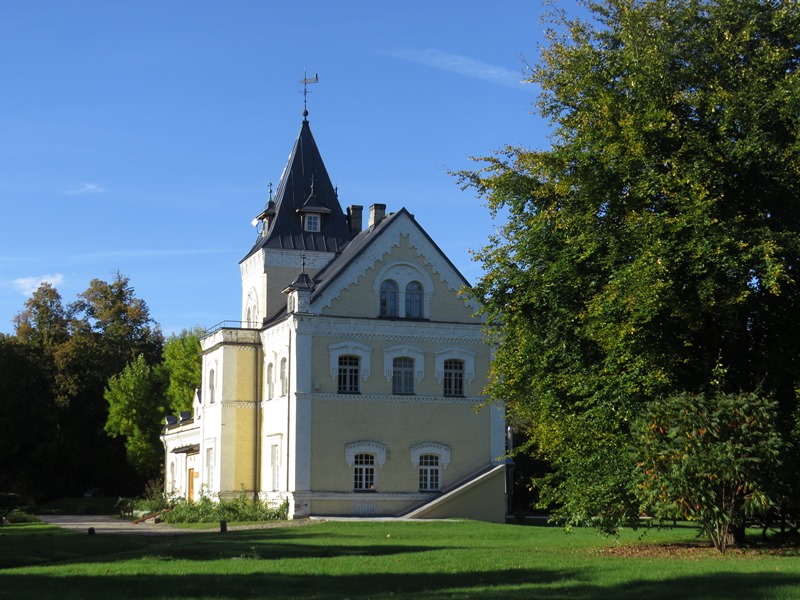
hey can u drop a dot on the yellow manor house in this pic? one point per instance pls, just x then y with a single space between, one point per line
353 385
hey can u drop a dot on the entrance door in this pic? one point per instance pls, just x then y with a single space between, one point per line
190 491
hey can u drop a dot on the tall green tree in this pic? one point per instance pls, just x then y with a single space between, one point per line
658 237
183 364
136 407
28 422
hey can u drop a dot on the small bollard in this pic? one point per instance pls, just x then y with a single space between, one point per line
223 526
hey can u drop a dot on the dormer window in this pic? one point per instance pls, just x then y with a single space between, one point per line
312 223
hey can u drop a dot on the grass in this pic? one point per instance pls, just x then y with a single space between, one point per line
401 560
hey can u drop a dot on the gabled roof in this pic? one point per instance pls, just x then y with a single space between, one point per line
305 188
361 242
329 274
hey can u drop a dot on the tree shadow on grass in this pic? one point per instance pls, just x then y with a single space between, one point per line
512 584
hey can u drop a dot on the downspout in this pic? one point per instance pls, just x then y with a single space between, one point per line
288 409
256 425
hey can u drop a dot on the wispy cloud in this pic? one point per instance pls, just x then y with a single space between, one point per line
135 253
463 65
28 285
84 188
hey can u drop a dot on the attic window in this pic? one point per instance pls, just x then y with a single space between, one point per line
312 223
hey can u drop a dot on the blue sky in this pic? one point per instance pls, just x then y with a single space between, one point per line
141 137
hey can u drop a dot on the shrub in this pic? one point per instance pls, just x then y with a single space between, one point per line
20 516
241 508
708 458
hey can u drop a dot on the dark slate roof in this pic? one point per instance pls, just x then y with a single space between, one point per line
305 187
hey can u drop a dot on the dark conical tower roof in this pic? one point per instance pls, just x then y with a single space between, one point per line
305 188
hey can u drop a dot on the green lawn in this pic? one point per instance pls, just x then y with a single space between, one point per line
433 560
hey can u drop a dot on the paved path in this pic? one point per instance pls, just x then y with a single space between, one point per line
113 525
105 524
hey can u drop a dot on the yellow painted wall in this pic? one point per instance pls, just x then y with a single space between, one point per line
398 426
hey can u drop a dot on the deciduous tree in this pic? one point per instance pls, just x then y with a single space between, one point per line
658 235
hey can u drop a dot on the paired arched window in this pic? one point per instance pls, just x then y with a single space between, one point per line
414 300
388 302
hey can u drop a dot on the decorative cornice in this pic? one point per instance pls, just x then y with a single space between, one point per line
392 330
475 401
377 496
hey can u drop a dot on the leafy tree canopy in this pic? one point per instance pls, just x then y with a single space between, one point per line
658 237
183 364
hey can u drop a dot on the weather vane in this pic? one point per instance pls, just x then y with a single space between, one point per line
305 81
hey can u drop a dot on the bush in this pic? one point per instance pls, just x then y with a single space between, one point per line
241 508
19 516
709 458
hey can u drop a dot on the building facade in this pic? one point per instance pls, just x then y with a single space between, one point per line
353 384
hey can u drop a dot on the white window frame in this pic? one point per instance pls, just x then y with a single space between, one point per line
360 350
468 356
270 377
400 350
365 447
430 475
312 222
441 450
284 375
347 371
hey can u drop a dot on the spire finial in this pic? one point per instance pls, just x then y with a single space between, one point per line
302 263
270 190
305 81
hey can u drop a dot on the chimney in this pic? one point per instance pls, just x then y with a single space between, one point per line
354 213
376 214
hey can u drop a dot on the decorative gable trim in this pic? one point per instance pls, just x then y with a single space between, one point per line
360 350
364 447
388 236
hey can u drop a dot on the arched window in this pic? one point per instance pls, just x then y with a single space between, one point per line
348 377
364 473
388 299
414 300
270 381
284 378
403 375
429 475
453 377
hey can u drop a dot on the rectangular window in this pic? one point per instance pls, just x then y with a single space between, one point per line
348 375
276 461
454 377
364 473
209 468
428 473
312 223
403 375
